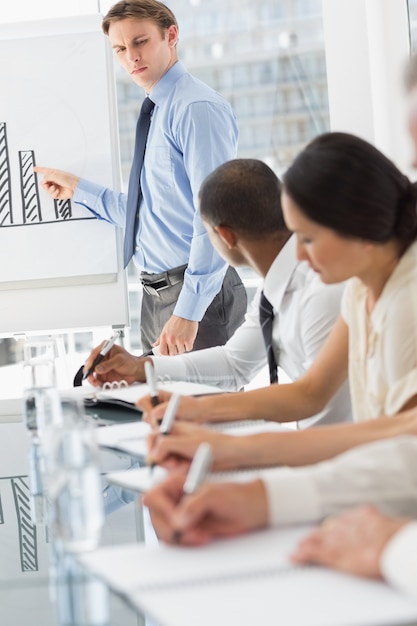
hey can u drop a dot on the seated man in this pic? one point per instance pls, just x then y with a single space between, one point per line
241 209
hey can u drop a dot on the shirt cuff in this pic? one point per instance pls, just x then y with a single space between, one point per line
169 367
192 306
399 562
87 193
292 496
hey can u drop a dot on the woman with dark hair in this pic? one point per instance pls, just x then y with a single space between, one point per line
354 214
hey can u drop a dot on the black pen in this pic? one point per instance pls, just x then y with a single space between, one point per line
151 382
197 473
169 417
105 349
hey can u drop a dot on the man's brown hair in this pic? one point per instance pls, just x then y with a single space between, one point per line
141 10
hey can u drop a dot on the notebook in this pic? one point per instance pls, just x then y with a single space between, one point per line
131 437
126 396
142 479
244 581
120 436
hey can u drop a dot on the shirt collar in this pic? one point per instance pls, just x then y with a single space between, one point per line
403 274
280 273
164 85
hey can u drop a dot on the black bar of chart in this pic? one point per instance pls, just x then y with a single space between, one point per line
27 531
5 182
31 203
63 209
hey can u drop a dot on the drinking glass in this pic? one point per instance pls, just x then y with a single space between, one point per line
41 398
73 481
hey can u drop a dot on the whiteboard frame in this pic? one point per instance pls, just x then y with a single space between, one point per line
70 307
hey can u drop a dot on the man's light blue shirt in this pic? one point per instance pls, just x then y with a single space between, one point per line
193 130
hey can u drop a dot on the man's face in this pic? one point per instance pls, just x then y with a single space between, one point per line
412 121
142 50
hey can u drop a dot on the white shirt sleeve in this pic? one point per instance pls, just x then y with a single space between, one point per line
399 560
229 367
383 473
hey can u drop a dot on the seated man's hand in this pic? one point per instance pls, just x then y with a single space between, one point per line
118 364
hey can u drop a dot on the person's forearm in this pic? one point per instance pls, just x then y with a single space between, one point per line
279 403
319 444
209 366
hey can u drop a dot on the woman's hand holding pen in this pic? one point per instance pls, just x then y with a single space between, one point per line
214 510
118 364
178 449
188 410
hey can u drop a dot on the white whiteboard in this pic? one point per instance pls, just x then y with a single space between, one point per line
60 268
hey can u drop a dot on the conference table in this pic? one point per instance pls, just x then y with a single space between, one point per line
43 585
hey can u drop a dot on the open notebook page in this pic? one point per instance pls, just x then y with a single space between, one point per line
133 566
132 437
244 581
299 597
142 479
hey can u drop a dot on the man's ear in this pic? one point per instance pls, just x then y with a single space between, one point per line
228 235
172 34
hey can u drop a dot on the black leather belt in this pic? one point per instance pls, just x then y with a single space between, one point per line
154 283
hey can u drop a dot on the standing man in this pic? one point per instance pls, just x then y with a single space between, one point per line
191 299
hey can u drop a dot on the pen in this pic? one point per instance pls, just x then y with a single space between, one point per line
197 473
151 382
199 467
105 349
169 417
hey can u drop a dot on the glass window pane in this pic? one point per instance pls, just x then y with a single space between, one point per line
266 58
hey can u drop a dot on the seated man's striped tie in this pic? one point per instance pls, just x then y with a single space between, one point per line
266 319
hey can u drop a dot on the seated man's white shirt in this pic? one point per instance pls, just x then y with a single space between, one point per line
305 312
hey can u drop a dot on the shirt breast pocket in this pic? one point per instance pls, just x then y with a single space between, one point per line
159 171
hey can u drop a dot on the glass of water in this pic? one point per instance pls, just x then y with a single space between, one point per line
41 398
73 482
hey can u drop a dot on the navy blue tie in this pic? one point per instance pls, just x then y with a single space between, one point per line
134 194
266 320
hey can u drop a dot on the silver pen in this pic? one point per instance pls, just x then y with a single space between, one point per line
199 468
151 382
197 473
169 415
168 419
104 350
